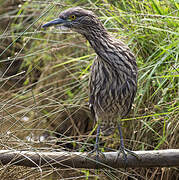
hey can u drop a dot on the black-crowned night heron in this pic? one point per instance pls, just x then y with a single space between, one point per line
113 77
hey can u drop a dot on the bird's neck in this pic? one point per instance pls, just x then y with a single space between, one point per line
99 40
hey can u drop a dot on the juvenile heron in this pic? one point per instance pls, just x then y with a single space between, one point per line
113 77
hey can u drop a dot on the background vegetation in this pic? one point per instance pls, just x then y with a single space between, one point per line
44 83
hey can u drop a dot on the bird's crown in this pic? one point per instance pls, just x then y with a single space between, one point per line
75 12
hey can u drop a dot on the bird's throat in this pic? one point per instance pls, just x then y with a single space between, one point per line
97 40
100 42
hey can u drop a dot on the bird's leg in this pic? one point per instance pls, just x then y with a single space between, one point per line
96 146
122 149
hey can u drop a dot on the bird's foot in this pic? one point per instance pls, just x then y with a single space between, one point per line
124 151
97 153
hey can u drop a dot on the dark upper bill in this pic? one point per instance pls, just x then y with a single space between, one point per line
54 22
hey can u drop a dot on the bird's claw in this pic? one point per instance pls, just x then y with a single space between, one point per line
124 151
97 153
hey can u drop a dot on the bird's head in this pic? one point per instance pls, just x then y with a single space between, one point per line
77 19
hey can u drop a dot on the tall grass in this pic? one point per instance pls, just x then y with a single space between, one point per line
44 83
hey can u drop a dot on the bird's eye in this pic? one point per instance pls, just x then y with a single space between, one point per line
72 17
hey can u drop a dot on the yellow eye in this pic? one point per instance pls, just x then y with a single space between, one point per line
72 17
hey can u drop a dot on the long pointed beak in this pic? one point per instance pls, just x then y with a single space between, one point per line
54 22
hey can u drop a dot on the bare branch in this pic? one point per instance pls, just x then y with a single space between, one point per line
160 158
